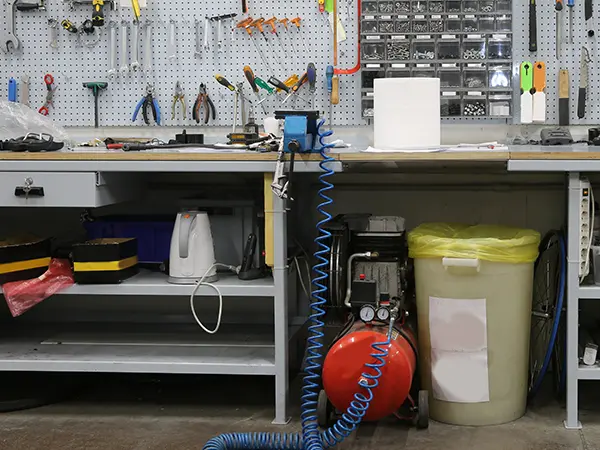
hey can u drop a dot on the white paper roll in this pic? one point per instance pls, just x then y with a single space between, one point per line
407 113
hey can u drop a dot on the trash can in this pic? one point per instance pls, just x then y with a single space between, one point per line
474 293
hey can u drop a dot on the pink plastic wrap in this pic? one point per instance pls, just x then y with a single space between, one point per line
21 296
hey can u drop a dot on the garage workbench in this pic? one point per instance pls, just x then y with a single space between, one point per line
274 361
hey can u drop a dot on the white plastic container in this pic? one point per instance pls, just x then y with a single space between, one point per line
474 317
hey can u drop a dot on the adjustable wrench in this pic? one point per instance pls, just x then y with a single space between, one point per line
8 37
123 65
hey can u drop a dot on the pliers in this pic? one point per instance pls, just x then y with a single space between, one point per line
178 96
148 100
209 106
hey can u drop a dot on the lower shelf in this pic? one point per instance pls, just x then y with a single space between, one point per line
184 351
588 372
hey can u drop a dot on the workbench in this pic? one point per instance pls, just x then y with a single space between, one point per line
17 355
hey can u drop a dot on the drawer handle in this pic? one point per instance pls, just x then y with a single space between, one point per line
29 190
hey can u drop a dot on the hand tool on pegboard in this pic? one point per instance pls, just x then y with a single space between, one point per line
12 90
570 5
203 100
8 39
219 20
311 71
53 32
135 46
252 81
178 97
558 7
96 87
148 101
532 26
98 13
25 5
526 75
272 22
24 90
284 22
301 81
297 21
588 12
563 97
224 82
583 81
50 90
258 24
539 92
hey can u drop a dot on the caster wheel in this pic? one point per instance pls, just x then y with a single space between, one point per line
422 417
323 410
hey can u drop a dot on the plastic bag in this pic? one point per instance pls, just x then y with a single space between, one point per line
488 242
17 120
21 296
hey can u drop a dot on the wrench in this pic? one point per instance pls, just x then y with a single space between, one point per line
198 31
112 70
148 47
135 46
8 37
172 42
123 66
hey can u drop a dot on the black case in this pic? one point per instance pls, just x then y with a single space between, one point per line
114 260
23 258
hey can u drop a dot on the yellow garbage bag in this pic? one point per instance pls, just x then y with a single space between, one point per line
487 242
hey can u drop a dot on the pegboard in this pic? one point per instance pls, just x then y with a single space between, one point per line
569 58
71 65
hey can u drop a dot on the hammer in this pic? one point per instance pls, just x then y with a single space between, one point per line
96 87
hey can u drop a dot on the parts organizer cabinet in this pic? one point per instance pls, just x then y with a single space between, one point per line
86 180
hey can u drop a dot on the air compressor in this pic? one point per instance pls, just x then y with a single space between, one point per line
369 283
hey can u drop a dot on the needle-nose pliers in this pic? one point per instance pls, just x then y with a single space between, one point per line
148 100
209 107
178 96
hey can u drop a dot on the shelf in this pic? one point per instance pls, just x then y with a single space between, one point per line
155 283
588 372
592 292
181 350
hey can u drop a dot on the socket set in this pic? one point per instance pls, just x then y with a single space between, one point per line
467 44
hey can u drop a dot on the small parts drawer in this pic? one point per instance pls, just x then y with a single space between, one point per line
63 189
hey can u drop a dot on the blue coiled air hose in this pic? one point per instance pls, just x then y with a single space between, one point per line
311 437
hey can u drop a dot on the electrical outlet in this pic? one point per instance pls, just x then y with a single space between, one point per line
585 225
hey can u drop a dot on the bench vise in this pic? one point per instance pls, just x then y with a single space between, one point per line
299 131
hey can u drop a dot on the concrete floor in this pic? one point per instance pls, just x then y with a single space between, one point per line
124 412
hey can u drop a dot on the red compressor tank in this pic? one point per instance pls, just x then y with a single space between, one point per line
345 363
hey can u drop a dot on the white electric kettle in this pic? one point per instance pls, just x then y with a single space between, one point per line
192 252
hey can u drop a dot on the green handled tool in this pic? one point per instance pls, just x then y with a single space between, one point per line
96 87
252 80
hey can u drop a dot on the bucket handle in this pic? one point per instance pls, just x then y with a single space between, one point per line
461 262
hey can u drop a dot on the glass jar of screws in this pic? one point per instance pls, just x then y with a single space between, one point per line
499 77
368 26
470 24
420 26
403 26
419 6
475 77
436 7
386 7
436 24
386 26
487 6
369 6
367 107
470 6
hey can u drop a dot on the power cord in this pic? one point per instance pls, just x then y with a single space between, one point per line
590 237
201 282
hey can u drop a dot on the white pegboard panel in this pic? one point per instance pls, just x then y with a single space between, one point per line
72 65
569 57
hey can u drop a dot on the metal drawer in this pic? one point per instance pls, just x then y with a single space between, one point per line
64 189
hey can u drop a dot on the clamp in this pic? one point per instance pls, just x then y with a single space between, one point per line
203 99
49 102
178 96
148 101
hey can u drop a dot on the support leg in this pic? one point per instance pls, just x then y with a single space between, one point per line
280 272
573 259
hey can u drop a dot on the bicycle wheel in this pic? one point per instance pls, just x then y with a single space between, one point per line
548 293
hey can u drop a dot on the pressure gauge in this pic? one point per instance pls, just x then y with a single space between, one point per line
367 313
383 314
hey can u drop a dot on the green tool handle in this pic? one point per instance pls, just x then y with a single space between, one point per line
264 85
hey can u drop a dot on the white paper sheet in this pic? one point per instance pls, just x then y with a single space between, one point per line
459 352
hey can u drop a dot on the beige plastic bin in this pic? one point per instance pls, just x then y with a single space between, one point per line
474 292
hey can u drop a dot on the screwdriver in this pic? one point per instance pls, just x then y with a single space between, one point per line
246 25
223 81
558 7
279 85
296 21
252 80
303 79
263 85
311 72
570 5
329 75
284 22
